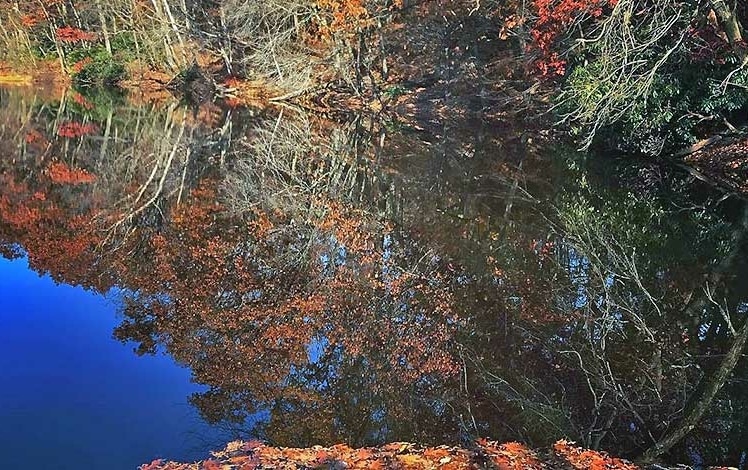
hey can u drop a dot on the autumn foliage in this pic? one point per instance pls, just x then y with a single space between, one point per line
57 238
60 173
402 455
347 15
555 19
71 35
584 459
73 129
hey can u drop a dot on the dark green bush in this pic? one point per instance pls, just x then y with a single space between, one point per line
102 69
686 104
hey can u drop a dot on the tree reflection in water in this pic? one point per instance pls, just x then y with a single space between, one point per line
364 282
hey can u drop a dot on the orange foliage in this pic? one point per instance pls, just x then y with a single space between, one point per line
398 455
31 20
81 64
347 228
71 34
56 239
18 215
555 17
60 173
83 102
33 136
232 82
72 130
583 459
511 456
348 16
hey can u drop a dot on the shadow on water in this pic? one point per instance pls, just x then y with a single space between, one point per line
363 281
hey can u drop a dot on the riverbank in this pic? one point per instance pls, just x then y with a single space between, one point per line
484 454
46 76
402 455
723 162
421 103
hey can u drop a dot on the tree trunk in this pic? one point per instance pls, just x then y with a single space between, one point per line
175 27
104 29
704 402
729 21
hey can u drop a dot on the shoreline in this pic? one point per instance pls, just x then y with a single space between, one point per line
722 161
483 453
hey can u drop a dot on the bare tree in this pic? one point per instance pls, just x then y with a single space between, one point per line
271 32
631 49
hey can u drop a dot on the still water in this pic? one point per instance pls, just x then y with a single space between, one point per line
72 394
175 277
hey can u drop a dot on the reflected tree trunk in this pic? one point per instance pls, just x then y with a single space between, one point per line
729 20
704 401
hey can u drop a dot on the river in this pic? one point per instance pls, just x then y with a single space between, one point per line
179 276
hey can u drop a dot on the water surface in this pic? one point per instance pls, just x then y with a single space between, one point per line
362 280
72 395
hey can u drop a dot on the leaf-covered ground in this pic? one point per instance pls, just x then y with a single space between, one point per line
724 163
401 455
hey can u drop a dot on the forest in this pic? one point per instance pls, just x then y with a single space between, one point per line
636 76
451 223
